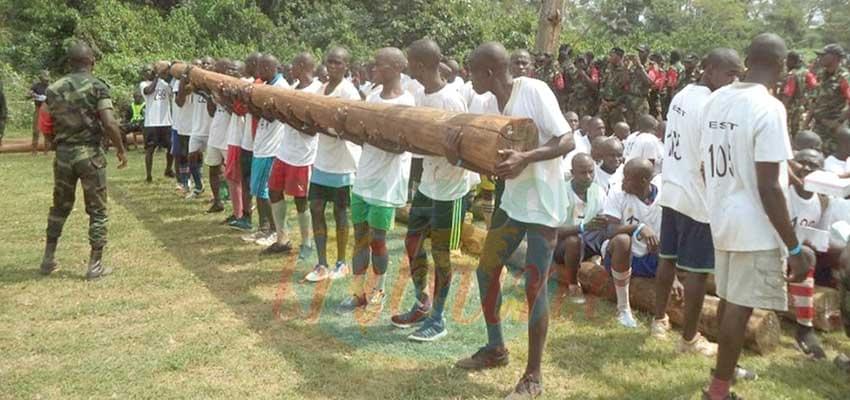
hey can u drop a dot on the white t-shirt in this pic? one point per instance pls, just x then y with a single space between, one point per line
684 189
583 211
218 128
382 177
201 119
609 181
298 149
836 166
441 180
631 210
742 124
176 124
628 144
457 84
538 194
646 146
582 146
805 212
234 130
269 133
157 104
335 155
247 140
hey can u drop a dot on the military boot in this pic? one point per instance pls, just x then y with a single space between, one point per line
48 263
96 267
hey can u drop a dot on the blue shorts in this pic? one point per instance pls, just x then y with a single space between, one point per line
642 267
330 179
686 242
261 168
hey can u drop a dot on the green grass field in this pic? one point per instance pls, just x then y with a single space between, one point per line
193 312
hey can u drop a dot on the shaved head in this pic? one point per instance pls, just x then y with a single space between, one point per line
520 63
392 56
639 168
582 159
305 60
595 128
766 50
426 52
722 66
453 65
267 67
80 55
490 55
807 140
340 52
647 123
622 130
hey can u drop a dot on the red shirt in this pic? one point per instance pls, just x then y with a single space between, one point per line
791 84
672 78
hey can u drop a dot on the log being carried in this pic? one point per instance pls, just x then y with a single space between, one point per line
415 129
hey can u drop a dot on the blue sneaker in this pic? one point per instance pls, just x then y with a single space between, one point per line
430 331
625 318
241 224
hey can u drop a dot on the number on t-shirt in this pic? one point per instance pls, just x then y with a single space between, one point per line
632 220
802 222
673 140
721 160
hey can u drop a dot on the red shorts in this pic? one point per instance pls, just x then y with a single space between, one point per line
292 180
232 167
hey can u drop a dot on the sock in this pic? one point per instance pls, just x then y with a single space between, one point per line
718 389
621 284
380 258
279 217
183 175
305 227
802 295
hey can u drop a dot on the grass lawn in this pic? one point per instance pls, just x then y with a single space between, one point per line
193 312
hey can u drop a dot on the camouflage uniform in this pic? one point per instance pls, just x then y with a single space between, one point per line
829 106
579 94
547 73
613 91
74 102
636 99
797 103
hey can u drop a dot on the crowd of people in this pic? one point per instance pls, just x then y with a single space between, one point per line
671 173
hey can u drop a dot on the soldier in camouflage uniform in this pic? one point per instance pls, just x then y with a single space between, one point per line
580 87
674 72
829 108
613 89
796 90
638 86
545 69
690 74
81 109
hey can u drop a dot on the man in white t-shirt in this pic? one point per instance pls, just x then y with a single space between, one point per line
183 115
290 174
745 148
634 218
839 162
333 174
438 204
533 204
381 187
217 143
609 170
157 126
645 144
241 154
204 110
686 241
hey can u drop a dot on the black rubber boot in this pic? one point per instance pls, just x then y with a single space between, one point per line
48 263
96 268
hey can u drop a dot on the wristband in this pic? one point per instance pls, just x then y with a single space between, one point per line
581 227
797 250
637 231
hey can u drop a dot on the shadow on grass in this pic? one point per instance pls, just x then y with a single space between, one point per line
321 350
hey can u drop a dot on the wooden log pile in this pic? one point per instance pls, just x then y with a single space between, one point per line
416 129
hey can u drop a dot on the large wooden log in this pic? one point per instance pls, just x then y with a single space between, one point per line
763 329
416 129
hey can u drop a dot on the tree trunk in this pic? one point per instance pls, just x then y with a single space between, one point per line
549 26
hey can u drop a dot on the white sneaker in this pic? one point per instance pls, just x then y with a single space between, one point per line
252 237
267 240
699 345
659 327
318 274
575 294
625 318
340 270
376 300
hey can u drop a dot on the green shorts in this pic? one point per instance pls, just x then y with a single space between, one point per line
378 217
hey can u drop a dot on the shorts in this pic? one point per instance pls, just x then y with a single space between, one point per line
175 143
686 242
331 179
752 279
182 145
340 196
233 164
214 157
642 267
427 213
591 246
261 168
197 144
289 179
157 136
378 217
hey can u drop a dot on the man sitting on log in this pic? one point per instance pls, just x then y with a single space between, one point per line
290 173
581 239
745 148
438 205
381 187
686 242
333 174
532 205
634 217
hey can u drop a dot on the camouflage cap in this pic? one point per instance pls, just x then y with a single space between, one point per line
832 48
643 48
618 50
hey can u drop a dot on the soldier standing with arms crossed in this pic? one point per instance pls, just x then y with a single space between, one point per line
81 109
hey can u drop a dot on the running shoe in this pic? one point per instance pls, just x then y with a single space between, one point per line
698 345
418 313
276 248
351 304
485 358
659 327
318 274
430 331
625 318
267 240
340 270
